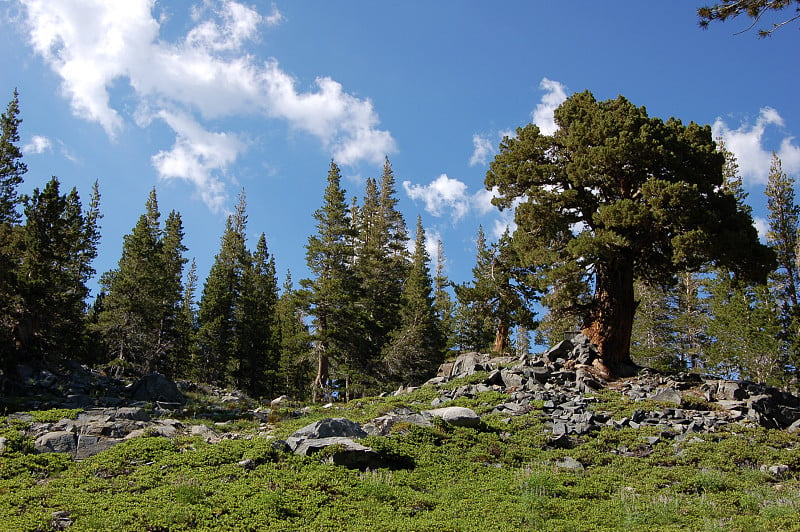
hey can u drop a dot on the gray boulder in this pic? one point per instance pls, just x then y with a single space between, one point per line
469 363
347 453
91 445
456 415
56 442
382 426
326 428
157 387
667 395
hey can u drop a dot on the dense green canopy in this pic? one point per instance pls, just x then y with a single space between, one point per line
614 195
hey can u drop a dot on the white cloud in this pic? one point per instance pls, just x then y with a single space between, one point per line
38 144
483 150
432 238
446 195
94 46
762 226
747 143
554 96
198 156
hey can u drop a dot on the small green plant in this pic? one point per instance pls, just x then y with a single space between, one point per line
54 415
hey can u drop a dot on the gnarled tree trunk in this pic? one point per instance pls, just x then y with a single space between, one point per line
610 324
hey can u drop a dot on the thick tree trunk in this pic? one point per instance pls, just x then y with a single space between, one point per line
500 337
611 324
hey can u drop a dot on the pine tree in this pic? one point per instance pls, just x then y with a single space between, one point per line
745 330
442 302
12 170
417 347
139 320
296 364
172 249
186 328
217 312
257 329
474 327
60 242
333 293
654 340
381 266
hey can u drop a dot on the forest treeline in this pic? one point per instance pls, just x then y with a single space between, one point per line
374 313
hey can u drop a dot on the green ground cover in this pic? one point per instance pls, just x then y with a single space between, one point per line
502 476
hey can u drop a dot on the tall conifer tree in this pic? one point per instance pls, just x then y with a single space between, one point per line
12 170
417 346
60 242
296 364
217 313
333 293
257 328
139 319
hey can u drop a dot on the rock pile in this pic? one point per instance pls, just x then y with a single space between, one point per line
560 385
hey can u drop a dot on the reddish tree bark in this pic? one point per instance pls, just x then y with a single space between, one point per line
610 325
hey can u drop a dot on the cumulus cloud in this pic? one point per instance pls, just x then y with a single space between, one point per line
542 115
445 195
207 73
198 156
37 145
747 143
432 238
483 150
555 94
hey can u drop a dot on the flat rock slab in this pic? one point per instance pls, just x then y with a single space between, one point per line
456 415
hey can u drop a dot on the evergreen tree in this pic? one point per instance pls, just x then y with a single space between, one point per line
333 293
497 300
296 364
783 231
257 329
417 347
60 242
186 328
217 312
474 327
381 266
442 302
745 330
612 196
12 170
176 351
653 342
139 320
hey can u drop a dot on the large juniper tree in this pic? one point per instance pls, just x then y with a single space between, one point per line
615 195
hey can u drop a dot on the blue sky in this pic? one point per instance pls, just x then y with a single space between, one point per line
201 99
